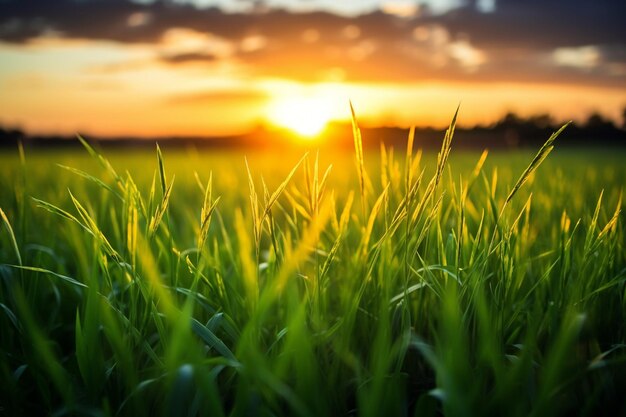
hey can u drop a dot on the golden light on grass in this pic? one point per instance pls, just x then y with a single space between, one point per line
305 116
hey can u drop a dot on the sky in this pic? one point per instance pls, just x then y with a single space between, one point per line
221 67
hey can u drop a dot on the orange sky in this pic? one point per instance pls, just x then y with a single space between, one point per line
187 81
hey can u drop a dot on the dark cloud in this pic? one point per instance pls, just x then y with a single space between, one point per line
515 42
541 24
615 54
22 20
187 57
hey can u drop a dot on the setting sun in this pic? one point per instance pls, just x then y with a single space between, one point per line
306 116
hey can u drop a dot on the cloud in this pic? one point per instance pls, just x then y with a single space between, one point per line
509 40
540 24
187 57
585 57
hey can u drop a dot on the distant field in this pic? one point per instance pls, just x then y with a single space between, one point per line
401 286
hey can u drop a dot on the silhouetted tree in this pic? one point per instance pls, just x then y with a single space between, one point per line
10 136
541 121
598 122
510 119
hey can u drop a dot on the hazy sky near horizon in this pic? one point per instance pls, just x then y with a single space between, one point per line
212 67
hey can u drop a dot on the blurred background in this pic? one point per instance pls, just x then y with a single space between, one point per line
228 72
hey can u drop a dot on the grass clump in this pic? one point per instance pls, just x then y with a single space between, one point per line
454 296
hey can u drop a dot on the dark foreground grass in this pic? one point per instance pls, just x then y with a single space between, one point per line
470 287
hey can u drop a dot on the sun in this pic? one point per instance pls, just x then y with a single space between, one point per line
305 116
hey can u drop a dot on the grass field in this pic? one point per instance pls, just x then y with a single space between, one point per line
396 283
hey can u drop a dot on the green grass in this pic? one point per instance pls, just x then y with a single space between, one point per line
191 283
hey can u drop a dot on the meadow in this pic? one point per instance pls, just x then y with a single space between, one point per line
396 282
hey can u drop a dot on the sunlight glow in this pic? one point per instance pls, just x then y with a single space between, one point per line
306 116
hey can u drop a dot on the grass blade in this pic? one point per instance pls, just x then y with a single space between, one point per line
16 248
543 152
